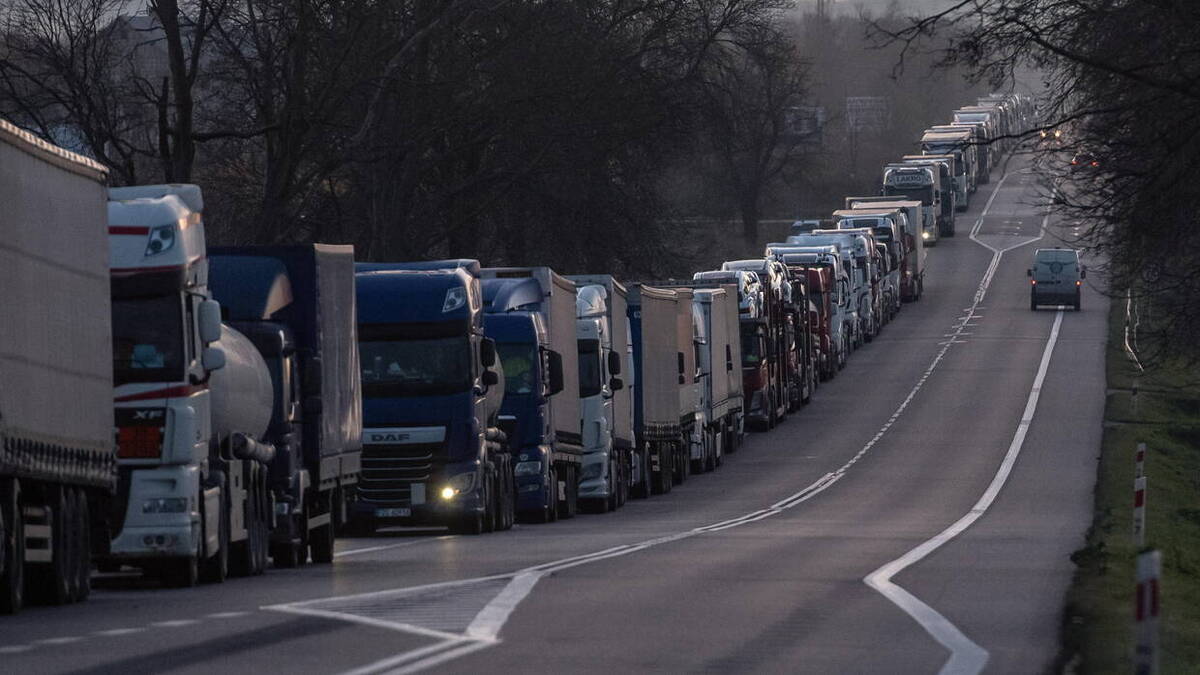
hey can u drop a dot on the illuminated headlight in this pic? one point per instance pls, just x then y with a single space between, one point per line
591 471
165 505
162 238
528 469
455 298
457 485
925 235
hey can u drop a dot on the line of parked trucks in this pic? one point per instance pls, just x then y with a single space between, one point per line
197 412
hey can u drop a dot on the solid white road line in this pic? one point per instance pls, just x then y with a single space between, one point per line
966 657
385 547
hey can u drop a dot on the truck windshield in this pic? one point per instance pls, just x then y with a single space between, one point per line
398 368
589 368
148 343
751 345
518 360
921 194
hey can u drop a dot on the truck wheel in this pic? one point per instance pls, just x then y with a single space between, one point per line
264 527
180 572
12 548
80 545
552 497
83 587
52 583
215 569
320 544
489 504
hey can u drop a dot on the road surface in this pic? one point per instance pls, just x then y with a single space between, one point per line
918 515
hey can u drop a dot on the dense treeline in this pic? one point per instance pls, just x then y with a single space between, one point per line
574 133
1123 86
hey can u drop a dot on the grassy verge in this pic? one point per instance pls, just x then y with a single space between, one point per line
1098 630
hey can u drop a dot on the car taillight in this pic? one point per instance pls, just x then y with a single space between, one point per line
1033 282
1078 282
1095 163
139 442
1074 162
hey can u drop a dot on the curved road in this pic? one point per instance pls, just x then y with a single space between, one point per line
950 465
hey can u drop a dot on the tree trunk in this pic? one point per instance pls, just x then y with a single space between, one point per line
750 217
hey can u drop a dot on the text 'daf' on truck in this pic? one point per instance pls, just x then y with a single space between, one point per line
57 458
432 386
531 316
296 305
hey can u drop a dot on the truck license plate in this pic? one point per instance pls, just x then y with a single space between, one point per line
393 513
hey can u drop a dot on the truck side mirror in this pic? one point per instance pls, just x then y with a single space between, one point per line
212 358
490 378
616 384
554 363
728 358
1029 272
487 352
679 358
1082 272
209 317
614 363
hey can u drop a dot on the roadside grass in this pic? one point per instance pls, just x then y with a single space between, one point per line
1098 623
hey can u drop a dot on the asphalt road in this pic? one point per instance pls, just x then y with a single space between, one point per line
951 465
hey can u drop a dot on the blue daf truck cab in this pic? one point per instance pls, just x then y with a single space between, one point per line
432 384
533 373
296 305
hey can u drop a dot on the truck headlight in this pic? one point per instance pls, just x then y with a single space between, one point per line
528 469
165 505
463 482
162 238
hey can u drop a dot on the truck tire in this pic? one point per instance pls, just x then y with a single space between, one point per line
83 587
552 497
215 569
12 548
51 584
489 503
320 544
179 572
664 480
641 489
569 506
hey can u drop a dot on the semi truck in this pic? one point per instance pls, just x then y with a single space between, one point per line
538 366
664 378
822 305
919 183
554 299
432 386
978 144
720 373
766 378
904 215
604 340
957 145
57 455
946 183
193 402
296 305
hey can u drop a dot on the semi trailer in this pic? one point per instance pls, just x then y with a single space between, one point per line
57 454
296 305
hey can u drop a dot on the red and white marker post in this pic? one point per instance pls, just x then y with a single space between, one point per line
1145 658
1139 461
1139 511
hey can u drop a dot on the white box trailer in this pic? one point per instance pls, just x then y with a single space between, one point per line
57 452
721 362
912 213
662 352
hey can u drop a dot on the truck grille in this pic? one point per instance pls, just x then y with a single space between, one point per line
388 471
